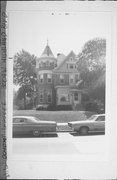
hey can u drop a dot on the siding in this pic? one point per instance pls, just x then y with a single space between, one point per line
57 79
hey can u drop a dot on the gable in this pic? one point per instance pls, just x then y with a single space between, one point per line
68 65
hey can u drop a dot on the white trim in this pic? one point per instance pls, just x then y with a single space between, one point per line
45 72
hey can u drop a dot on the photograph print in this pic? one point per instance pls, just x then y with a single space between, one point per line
59 82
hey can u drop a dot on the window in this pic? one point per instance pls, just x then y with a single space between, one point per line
19 120
41 97
71 78
41 64
101 118
41 78
51 64
47 63
76 96
61 78
71 59
44 64
71 66
76 77
49 78
64 98
49 97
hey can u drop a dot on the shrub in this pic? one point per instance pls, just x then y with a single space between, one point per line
91 106
51 107
64 108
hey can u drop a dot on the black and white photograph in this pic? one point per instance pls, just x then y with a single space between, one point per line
58 85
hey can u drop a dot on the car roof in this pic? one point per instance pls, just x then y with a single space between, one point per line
99 114
28 117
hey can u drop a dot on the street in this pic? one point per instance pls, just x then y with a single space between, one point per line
62 143
40 156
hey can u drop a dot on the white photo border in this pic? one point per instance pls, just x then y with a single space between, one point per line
57 161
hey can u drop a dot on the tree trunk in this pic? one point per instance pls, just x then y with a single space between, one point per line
24 101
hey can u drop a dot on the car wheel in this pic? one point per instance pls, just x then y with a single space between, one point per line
36 133
84 130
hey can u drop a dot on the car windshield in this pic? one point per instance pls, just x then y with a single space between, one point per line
34 119
92 117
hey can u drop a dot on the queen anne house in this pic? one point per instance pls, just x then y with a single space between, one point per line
58 79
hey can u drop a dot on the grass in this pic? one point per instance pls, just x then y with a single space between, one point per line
58 116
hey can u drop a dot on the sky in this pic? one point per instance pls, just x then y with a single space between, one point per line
30 31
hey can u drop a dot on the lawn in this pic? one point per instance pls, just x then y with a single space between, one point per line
58 116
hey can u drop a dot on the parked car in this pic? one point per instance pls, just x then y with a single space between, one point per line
94 123
32 125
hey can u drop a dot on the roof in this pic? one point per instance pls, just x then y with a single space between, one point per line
60 59
99 114
24 117
64 60
47 52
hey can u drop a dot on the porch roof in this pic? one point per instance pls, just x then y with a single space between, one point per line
71 89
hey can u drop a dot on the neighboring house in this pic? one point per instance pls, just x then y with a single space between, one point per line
58 79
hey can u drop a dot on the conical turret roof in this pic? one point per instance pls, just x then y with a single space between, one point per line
47 52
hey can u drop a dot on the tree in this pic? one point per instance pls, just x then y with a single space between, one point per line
25 74
92 60
91 65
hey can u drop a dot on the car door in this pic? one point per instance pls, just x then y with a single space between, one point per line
99 124
26 126
17 125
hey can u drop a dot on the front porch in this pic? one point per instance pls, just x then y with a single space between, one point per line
65 95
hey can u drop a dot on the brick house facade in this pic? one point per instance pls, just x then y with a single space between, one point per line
58 79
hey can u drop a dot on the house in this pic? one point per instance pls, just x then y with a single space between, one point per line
58 79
